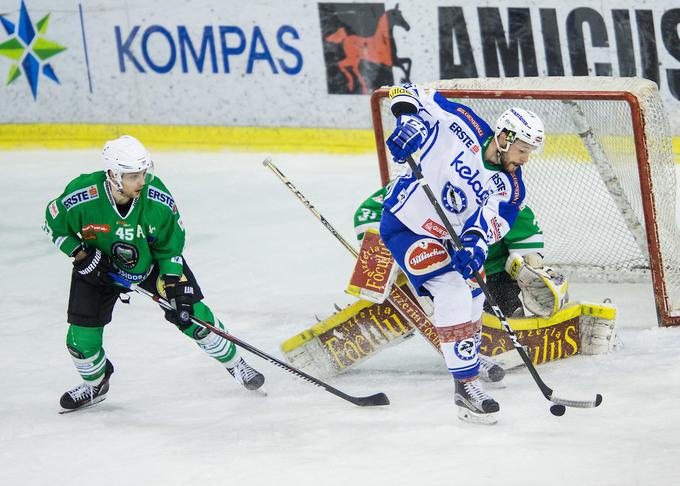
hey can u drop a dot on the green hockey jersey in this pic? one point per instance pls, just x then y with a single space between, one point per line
524 237
369 212
150 233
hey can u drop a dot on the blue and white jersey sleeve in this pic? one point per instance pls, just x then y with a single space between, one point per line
471 192
495 218
409 99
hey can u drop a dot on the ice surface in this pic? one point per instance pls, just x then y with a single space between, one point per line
175 417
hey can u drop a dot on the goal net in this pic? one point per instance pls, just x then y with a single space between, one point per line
603 188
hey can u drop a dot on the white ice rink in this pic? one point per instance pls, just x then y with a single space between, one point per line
173 416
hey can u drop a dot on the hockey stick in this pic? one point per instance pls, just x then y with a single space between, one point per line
545 389
398 297
270 165
369 401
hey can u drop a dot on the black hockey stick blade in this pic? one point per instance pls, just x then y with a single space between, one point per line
577 403
377 400
548 392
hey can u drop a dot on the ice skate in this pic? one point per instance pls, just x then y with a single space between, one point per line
489 370
246 376
474 405
86 395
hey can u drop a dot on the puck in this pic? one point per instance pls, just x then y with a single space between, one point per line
558 410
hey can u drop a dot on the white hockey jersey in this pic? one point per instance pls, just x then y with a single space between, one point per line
476 195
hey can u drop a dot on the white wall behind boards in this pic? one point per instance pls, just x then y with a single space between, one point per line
301 63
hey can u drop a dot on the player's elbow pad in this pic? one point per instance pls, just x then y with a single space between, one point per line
402 102
403 108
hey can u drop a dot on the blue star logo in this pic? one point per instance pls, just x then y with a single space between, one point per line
28 48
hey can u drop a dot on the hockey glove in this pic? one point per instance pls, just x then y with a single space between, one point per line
471 257
407 137
94 267
180 295
544 290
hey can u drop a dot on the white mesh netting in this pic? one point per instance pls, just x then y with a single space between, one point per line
585 185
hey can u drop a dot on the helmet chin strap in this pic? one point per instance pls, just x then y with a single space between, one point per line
116 181
501 150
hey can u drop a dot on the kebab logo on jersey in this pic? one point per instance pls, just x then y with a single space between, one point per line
425 256
80 196
473 179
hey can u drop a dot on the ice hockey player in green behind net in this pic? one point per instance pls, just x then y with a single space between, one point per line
519 252
124 220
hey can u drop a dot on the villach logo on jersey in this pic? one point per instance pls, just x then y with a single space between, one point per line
29 49
359 47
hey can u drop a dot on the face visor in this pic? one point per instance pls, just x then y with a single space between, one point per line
147 175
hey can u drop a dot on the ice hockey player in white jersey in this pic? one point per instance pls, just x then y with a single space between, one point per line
476 174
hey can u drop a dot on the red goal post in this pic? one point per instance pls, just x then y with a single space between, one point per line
604 187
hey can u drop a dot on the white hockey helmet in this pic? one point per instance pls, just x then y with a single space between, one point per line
520 124
126 155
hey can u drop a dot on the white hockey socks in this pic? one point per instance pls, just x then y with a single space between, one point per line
92 369
219 348
459 345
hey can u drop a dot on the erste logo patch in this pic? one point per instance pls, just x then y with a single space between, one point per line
80 196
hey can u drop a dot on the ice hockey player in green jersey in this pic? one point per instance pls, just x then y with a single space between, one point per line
124 220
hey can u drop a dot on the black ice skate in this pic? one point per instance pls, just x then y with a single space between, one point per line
85 395
489 370
246 376
474 405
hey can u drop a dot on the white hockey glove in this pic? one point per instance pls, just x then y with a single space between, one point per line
544 291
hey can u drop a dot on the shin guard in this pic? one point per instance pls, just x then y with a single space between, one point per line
85 346
215 346
459 345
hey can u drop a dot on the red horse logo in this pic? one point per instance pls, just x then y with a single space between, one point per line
379 49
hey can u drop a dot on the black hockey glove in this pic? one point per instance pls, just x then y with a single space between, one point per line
180 295
94 268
